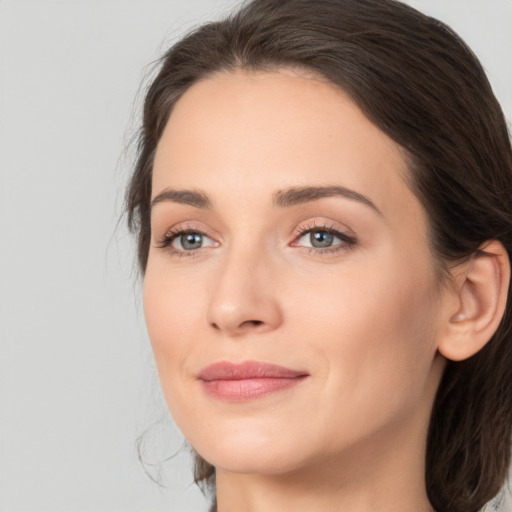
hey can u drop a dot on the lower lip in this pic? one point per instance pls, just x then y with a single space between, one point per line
249 389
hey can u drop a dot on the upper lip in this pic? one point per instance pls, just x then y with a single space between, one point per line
225 370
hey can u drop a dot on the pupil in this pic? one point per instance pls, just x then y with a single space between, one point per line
321 239
191 241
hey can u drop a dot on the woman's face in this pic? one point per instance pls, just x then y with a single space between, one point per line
290 296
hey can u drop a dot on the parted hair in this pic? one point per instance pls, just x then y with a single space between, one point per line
419 83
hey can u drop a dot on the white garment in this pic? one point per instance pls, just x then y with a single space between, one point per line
503 501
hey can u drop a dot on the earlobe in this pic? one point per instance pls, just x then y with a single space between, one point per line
481 296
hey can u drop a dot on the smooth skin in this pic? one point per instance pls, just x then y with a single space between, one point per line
339 283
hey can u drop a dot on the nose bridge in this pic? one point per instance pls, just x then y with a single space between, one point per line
244 297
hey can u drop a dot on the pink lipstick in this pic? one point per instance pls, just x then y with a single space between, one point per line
246 381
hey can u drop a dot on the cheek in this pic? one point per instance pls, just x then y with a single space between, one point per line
171 318
375 335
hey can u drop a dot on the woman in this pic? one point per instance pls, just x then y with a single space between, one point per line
322 204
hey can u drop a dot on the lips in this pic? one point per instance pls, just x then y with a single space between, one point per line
248 380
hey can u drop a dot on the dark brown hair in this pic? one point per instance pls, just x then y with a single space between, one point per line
419 82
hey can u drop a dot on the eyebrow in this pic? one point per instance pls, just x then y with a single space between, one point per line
283 198
190 197
294 196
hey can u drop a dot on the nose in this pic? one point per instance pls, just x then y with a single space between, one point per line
245 296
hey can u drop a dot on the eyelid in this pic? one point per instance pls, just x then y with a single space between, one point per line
323 225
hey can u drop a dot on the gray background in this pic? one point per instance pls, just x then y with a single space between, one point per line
77 381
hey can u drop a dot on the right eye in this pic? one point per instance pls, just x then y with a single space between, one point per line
185 242
190 241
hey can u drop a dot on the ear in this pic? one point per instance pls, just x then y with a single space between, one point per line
478 302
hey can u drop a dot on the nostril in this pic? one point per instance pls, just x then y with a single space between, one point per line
247 324
251 323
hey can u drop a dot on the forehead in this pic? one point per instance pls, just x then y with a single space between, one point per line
266 131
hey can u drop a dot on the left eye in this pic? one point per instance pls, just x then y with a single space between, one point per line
320 239
323 239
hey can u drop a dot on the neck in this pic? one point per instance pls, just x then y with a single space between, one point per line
256 493
323 490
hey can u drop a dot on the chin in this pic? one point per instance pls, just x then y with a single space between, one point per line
250 454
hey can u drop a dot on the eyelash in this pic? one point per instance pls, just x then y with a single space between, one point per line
347 241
